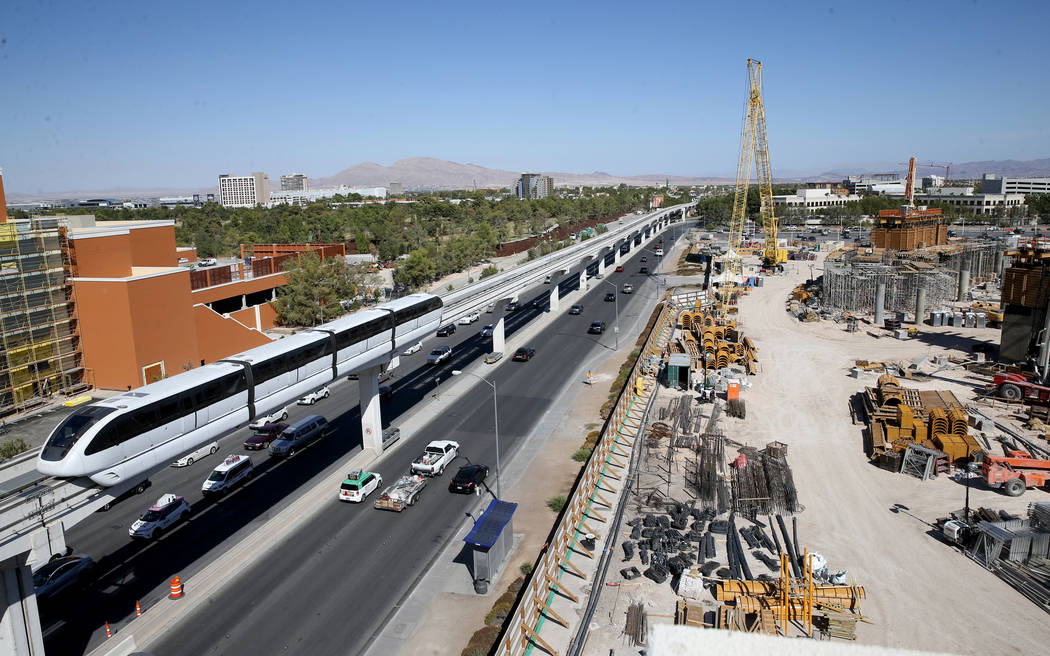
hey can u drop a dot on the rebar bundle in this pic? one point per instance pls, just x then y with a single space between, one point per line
707 475
765 484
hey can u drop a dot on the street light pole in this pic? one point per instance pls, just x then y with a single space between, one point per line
495 418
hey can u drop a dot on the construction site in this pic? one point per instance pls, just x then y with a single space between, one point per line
874 478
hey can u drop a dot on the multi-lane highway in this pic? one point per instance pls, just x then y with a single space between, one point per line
329 588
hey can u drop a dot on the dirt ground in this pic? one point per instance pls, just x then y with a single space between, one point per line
921 593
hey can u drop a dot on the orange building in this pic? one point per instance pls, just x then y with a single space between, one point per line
141 317
909 228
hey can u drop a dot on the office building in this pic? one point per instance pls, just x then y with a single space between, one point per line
993 184
979 204
533 185
244 190
313 195
886 184
396 190
293 182
813 200
931 181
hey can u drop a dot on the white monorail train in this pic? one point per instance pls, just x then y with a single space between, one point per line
127 435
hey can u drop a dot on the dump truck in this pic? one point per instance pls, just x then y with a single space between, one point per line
405 492
435 458
1015 472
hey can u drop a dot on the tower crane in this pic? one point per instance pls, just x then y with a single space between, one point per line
754 151
934 165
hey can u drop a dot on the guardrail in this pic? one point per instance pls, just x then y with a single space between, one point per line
606 472
477 296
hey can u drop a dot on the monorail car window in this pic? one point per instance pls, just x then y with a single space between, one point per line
72 429
355 334
418 309
280 364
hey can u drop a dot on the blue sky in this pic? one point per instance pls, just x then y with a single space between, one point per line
143 94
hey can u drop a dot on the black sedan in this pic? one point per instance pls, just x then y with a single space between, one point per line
446 330
524 354
643 270
468 479
597 327
61 573
610 297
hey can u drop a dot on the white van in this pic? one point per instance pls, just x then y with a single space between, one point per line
234 470
190 458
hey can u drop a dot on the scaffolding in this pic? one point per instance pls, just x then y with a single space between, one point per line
41 355
850 283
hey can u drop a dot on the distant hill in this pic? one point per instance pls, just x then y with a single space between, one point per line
418 173
1009 168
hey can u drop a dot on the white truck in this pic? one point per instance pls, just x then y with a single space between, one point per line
435 458
405 492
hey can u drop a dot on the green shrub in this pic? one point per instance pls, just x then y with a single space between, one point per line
489 271
557 503
581 455
526 569
12 448
592 439
482 641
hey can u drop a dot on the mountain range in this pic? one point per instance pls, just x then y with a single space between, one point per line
427 173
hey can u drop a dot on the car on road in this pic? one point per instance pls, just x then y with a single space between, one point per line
645 259
619 268
547 280
446 330
513 306
358 484
314 397
539 302
576 309
490 308
468 479
643 270
610 297
439 355
596 327
524 354
299 435
468 319
261 438
628 288
272 418
168 511
413 349
207 262
190 458
488 330
138 489
60 574
436 456
232 471
493 358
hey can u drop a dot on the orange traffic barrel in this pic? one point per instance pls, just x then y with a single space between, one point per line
138 610
176 588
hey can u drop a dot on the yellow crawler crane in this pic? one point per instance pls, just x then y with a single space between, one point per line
754 150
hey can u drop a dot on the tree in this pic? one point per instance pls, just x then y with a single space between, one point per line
416 270
316 290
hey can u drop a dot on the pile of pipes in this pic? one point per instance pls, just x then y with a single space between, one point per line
763 482
714 346
667 544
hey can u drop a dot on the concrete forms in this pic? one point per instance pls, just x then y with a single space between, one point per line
909 228
853 279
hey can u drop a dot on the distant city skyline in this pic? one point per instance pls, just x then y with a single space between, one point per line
155 96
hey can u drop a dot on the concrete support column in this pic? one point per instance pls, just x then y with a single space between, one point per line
964 285
980 263
997 263
499 340
616 256
371 416
20 629
273 294
601 264
554 298
920 305
244 301
880 302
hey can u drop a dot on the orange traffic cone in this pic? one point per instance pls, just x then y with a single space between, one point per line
138 610
109 634
176 588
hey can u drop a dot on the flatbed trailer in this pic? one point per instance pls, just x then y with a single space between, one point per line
403 493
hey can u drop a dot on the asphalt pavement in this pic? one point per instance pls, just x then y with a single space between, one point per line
330 590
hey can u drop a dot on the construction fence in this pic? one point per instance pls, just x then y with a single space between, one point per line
592 504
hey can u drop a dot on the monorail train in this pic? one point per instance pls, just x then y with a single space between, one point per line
127 435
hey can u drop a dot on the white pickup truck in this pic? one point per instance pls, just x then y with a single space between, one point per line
435 458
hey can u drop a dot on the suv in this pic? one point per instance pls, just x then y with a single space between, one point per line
233 471
446 330
168 510
597 327
439 355
263 435
299 435
358 485
524 354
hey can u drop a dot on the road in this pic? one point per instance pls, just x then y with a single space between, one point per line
131 571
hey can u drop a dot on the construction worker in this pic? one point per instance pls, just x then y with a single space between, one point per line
590 378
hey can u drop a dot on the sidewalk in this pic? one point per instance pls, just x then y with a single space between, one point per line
443 612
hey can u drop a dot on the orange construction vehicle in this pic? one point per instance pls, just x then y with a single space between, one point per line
1015 471
1015 387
